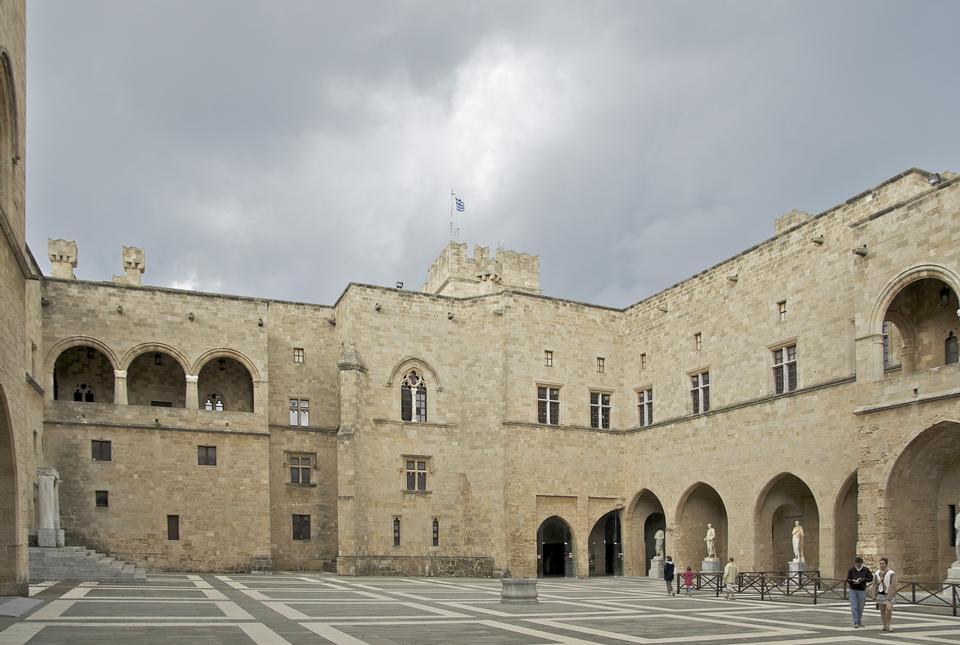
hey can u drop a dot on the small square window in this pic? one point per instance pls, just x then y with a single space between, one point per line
698 341
600 364
782 310
548 358
300 467
103 498
297 354
173 527
101 450
206 455
301 527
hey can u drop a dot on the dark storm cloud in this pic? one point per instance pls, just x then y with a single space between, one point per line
283 149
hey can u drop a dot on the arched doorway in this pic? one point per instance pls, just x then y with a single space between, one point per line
224 383
555 549
11 574
645 517
606 546
845 523
785 500
83 374
156 378
699 506
921 326
922 493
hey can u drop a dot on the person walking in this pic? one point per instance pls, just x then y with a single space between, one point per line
885 591
858 576
688 579
730 573
668 575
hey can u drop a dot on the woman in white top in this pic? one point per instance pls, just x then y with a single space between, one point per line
885 591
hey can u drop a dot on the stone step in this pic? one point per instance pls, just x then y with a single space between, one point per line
75 564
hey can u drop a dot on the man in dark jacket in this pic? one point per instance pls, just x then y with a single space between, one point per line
668 575
858 577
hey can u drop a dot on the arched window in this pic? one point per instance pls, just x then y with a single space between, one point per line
950 350
213 402
413 397
83 393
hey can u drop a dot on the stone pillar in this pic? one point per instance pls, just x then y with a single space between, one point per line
119 387
48 507
869 358
193 395
908 358
352 381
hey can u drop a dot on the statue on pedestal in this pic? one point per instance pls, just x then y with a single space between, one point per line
956 546
658 540
711 541
797 539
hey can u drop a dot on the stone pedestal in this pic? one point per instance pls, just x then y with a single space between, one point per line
656 568
48 508
796 567
711 565
518 590
953 574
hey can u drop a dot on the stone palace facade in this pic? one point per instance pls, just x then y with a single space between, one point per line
478 426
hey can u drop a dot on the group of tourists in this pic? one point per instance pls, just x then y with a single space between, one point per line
883 581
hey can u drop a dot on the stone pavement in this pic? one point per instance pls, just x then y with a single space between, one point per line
315 608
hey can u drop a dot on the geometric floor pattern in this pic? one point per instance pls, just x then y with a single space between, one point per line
293 608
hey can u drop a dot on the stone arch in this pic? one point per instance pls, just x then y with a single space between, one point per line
75 341
153 382
785 499
642 518
226 352
556 547
846 519
699 505
605 546
12 571
225 381
82 368
412 362
923 482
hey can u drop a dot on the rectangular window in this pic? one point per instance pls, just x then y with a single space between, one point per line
643 361
300 467
548 358
173 527
700 392
396 531
103 498
436 532
785 369
300 412
301 527
645 406
886 344
782 310
600 364
599 410
297 354
698 341
548 405
101 450
206 455
161 404
416 470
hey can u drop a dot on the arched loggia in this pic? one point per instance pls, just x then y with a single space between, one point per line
555 549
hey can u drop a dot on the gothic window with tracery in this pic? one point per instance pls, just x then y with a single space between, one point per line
83 393
413 397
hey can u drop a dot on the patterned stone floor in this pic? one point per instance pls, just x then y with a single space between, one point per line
312 608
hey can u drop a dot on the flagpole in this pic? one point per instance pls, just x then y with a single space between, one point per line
451 214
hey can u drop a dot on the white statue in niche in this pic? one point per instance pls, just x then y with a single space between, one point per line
711 541
956 541
658 541
797 539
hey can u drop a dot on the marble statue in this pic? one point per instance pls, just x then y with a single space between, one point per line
797 542
711 541
658 540
956 526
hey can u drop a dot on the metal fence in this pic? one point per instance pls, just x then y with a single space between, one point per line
810 585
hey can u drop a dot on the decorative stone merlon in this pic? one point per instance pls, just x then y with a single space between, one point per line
134 264
351 360
791 219
63 258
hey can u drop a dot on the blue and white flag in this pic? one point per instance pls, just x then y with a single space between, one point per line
460 206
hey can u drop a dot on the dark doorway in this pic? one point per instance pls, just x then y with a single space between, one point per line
655 522
606 550
554 549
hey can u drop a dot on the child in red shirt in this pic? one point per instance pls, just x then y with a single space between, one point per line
688 579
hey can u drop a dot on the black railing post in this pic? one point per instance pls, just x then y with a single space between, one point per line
815 594
763 585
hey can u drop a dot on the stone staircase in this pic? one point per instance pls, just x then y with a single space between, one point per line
79 564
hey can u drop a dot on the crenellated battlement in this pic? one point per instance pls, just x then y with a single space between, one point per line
455 273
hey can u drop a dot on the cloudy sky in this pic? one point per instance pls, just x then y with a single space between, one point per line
283 148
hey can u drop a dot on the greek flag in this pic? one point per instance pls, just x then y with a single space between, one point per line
460 206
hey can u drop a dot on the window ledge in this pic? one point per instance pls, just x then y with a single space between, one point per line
301 485
415 492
